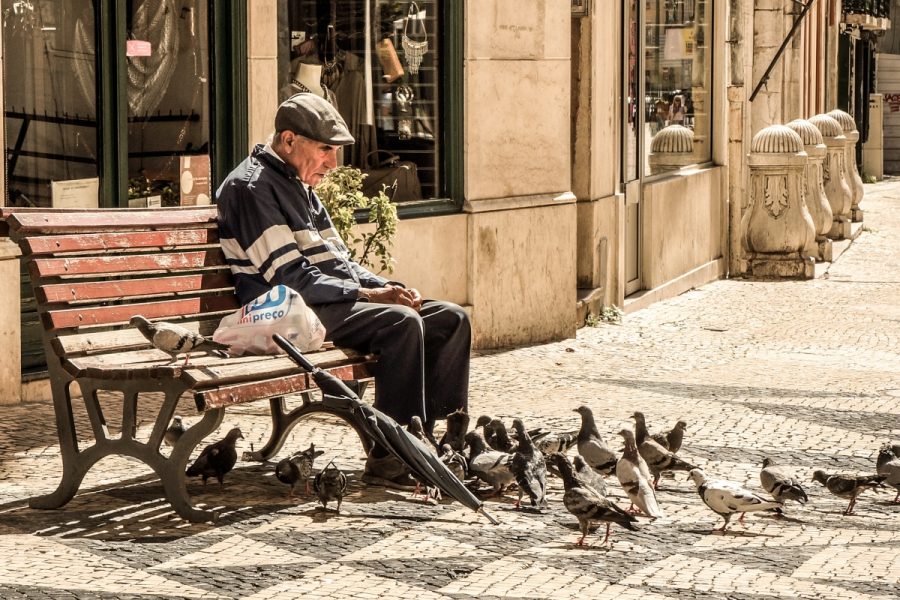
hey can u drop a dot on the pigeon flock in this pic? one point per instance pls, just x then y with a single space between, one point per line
491 454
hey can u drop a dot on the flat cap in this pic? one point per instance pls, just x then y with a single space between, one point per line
313 117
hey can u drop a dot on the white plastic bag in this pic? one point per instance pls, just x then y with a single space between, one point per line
280 310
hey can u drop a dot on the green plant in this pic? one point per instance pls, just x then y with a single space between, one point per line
866 178
340 192
608 314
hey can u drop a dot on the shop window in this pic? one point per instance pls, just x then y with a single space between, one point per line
49 101
380 63
677 77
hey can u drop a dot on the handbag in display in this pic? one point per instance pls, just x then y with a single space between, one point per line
390 62
399 176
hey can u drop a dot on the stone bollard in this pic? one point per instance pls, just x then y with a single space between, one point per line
777 227
816 200
672 148
854 181
836 188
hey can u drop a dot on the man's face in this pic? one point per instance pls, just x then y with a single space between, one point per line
311 159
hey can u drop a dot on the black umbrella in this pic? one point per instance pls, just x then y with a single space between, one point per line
385 431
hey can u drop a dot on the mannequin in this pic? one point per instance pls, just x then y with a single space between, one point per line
310 77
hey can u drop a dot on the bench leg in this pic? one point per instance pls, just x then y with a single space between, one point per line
283 422
74 468
171 470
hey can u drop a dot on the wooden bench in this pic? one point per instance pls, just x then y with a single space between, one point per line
91 271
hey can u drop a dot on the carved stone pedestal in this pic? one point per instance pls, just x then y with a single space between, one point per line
816 200
833 179
672 148
854 181
777 229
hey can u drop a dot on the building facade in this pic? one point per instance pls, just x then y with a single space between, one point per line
567 155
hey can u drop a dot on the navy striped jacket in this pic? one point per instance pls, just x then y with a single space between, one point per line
273 232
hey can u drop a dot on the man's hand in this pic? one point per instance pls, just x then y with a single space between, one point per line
391 294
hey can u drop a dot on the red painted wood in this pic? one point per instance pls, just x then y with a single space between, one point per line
127 263
121 313
92 220
75 291
52 244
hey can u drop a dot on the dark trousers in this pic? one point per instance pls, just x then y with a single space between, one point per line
423 357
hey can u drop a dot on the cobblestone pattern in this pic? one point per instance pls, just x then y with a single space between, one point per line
805 372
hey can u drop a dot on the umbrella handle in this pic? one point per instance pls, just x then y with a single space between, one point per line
294 353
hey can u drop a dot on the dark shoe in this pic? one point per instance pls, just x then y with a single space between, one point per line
389 472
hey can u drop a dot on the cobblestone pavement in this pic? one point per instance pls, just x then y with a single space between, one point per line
806 372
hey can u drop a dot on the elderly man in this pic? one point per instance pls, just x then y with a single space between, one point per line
274 230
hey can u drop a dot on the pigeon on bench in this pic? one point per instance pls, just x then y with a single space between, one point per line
848 486
585 504
781 483
217 459
726 498
297 467
175 339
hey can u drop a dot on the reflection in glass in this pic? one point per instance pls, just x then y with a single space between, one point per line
378 62
677 76
51 125
168 98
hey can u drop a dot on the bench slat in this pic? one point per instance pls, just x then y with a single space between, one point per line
24 222
74 291
53 244
122 313
221 397
233 370
118 340
204 370
131 263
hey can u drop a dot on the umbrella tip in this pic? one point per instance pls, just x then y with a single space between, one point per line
490 518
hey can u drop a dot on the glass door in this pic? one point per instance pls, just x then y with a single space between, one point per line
168 108
632 142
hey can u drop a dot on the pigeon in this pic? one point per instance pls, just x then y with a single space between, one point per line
671 440
297 467
330 484
658 458
589 476
530 469
587 505
634 476
457 425
782 484
418 431
889 465
549 442
848 486
217 459
454 461
490 466
175 339
174 431
592 447
726 498
500 436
